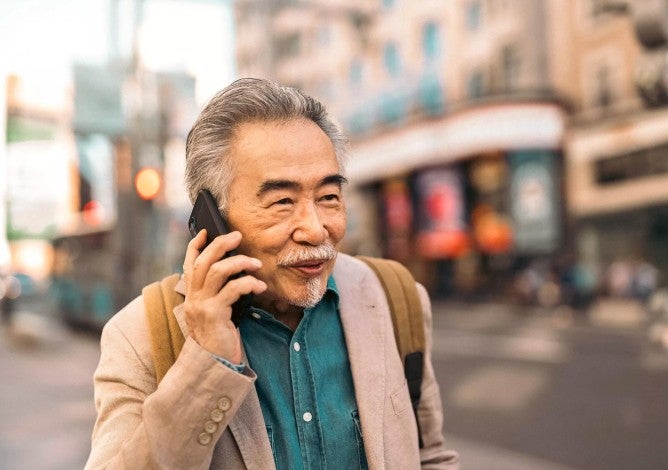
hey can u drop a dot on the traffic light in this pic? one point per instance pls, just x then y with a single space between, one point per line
148 182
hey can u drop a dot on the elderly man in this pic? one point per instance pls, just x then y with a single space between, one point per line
311 378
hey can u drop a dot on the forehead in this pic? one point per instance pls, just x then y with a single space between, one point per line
287 149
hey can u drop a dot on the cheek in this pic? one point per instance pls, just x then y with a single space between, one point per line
266 240
337 226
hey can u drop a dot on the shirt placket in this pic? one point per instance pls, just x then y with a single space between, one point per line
304 393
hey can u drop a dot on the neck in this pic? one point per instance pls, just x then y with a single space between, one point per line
288 314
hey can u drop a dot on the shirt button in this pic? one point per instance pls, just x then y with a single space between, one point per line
217 415
210 427
256 315
296 346
307 417
204 438
224 403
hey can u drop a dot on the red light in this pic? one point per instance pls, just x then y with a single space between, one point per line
93 213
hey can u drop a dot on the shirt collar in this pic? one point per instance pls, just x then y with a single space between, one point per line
331 291
331 288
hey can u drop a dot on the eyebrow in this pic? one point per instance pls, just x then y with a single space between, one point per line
277 185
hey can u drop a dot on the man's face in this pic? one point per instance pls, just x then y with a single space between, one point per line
286 200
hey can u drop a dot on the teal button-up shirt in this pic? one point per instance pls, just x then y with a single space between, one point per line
305 387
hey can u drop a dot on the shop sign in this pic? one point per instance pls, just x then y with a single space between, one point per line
441 217
534 202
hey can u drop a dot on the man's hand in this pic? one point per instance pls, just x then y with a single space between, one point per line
209 297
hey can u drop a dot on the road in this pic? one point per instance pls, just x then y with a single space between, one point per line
533 391
551 390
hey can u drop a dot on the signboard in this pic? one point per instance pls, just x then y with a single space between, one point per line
441 216
38 188
534 197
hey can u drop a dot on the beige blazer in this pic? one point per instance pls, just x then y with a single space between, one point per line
204 415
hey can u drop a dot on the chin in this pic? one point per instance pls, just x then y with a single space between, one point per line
310 293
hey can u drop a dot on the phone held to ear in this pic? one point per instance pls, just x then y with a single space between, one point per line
205 215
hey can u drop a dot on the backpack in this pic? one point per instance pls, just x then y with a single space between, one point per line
402 297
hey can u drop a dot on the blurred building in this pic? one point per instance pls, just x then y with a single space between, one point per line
617 174
456 125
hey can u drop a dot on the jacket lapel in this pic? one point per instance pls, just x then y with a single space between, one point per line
364 326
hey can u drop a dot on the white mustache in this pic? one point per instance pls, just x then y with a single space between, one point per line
322 252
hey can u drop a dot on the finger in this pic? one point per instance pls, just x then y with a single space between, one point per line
211 254
221 271
235 288
192 252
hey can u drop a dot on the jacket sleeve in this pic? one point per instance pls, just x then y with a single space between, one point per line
430 412
173 425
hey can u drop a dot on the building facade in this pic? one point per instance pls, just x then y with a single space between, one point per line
617 150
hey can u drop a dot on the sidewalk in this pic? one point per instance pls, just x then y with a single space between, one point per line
46 394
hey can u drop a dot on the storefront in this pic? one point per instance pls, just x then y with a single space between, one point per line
467 199
618 194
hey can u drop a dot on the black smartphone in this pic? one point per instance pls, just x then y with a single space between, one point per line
205 215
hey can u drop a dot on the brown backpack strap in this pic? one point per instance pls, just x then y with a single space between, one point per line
406 310
167 339
404 301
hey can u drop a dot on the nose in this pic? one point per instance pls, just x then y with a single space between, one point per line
309 227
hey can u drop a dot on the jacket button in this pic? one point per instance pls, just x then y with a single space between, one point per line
224 403
210 427
217 415
204 438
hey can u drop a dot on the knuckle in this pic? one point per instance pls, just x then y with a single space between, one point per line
199 264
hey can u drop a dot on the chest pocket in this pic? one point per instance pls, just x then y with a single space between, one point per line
401 399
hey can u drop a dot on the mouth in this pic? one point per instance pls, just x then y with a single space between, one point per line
310 268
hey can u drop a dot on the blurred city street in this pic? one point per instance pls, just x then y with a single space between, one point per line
522 389
513 154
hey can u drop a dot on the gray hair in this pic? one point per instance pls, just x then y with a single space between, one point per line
246 100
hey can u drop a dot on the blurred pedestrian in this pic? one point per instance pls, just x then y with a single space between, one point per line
584 282
645 280
620 278
312 378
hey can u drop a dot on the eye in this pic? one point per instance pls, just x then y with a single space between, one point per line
330 200
283 202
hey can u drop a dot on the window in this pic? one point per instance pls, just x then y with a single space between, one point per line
476 84
473 15
604 94
431 45
510 63
388 3
391 60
